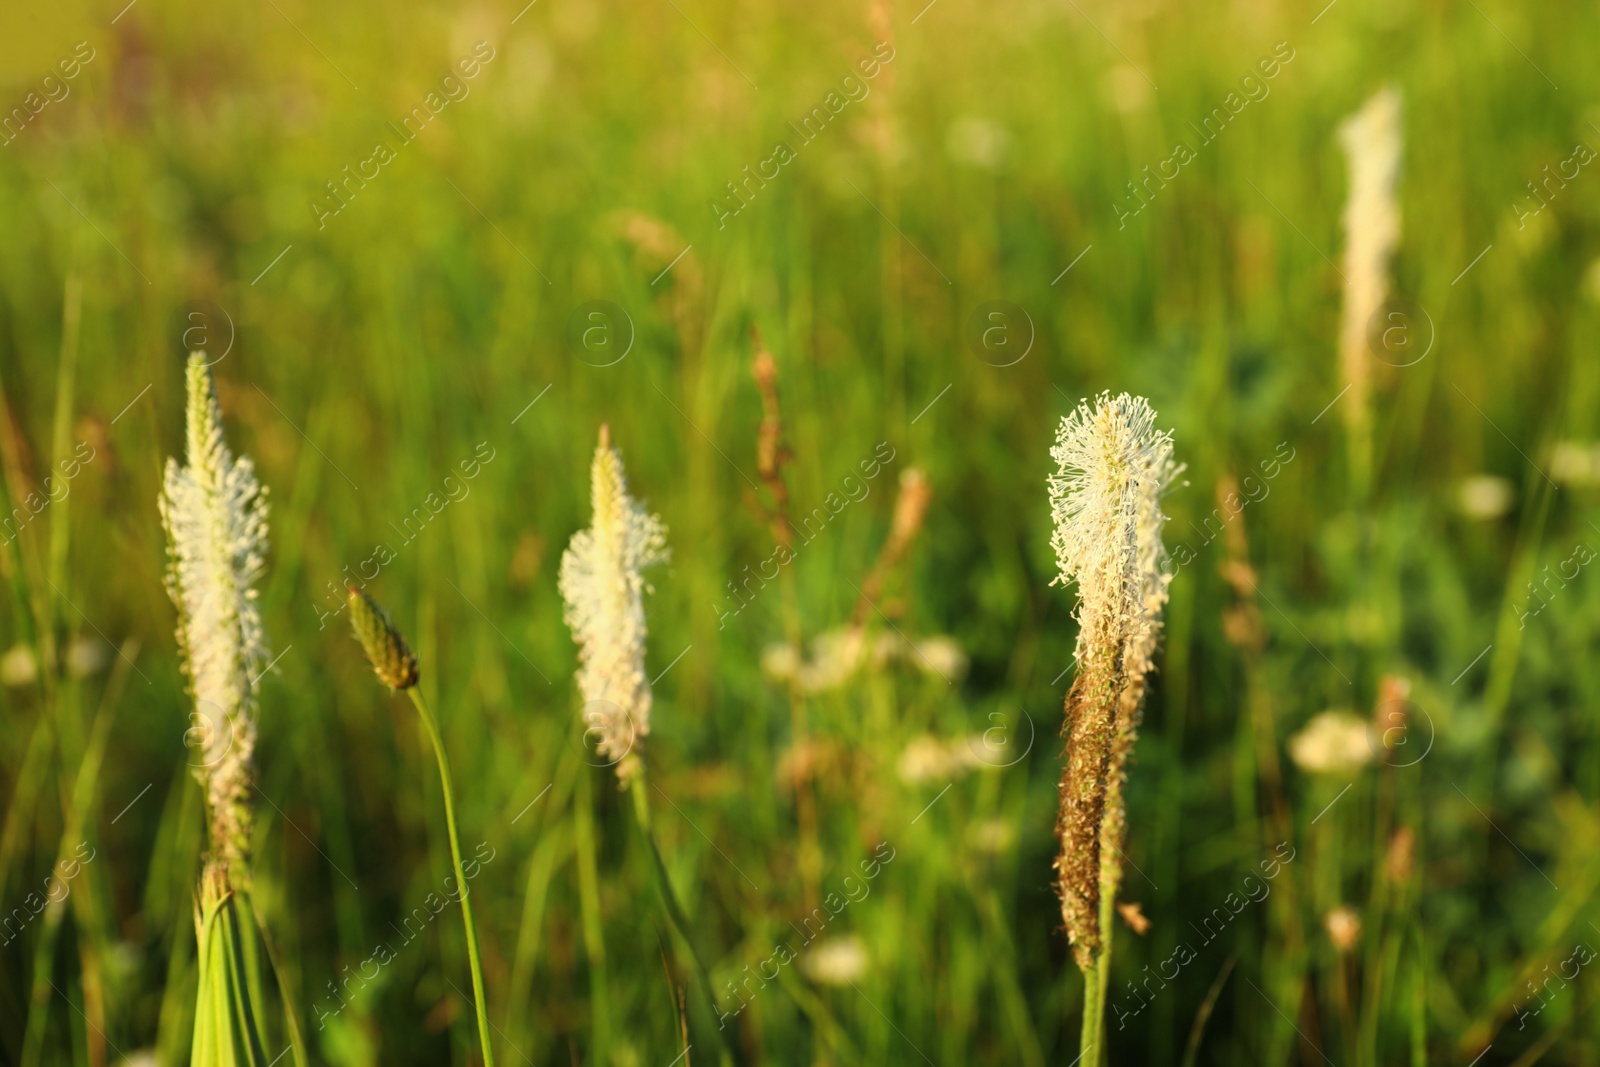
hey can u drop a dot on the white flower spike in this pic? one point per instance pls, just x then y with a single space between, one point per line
602 582
1113 466
1372 143
215 514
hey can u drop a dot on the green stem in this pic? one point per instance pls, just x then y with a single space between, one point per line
1108 900
291 1017
594 943
675 912
480 1003
1093 1013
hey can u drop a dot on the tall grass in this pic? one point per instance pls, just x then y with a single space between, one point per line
413 332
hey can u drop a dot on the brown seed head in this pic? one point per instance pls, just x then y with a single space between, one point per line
391 658
770 449
910 506
1400 858
764 369
1090 728
1134 916
1390 713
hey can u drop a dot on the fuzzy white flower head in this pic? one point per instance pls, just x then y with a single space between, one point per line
1113 466
837 961
602 582
1372 142
215 514
1333 742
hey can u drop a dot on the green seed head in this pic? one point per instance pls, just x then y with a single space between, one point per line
392 659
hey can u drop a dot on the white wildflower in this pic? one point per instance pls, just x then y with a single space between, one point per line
1333 742
1484 496
1105 498
215 514
781 662
1576 463
931 759
86 656
941 655
1372 142
602 582
837 656
19 667
838 961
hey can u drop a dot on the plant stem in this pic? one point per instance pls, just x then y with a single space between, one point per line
480 1004
1093 1013
291 1019
1108 900
594 943
675 912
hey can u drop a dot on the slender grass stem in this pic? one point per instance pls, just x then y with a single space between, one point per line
480 1003
675 912
594 943
1093 1013
1108 900
555 841
291 1019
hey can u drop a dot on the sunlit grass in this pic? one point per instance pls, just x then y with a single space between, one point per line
429 329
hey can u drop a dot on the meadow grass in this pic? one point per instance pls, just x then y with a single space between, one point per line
432 327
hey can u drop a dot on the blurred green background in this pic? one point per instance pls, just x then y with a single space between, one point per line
174 187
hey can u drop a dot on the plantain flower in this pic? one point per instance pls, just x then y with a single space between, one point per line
602 582
1113 466
1371 140
215 514
392 659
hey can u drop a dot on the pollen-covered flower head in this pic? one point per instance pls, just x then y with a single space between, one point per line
1372 142
602 582
1113 466
215 514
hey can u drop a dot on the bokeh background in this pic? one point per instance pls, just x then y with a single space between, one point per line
1445 843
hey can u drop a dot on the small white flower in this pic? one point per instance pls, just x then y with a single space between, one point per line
215 514
942 655
1484 496
928 759
1332 742
838 655
838 961
780 662
19 667
1576 463
603 584
86 656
